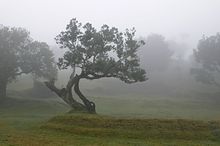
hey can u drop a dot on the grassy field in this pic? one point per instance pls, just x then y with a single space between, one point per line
121 122
158 107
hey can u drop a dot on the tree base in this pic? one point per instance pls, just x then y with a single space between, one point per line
72 111
66 95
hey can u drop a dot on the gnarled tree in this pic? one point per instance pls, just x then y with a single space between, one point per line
19 54
96 54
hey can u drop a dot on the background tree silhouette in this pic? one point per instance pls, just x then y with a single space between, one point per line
207 56
157 54
19 54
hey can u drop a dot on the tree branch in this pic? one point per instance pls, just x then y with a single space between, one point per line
65 95
53 88
96 76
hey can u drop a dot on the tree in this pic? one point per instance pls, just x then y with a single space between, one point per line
158 54
94 54
19 54
207 55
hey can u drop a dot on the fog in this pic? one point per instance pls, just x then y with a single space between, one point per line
178 20
181 23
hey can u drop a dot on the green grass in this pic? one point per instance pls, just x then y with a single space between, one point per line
147 122
100 126
158 107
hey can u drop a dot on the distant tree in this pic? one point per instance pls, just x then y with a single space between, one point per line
156 53
19 54
207 55
94 54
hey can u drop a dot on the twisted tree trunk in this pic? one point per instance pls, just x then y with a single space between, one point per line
66 95
90 106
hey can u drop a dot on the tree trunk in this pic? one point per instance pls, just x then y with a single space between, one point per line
90 106
66 97
3 86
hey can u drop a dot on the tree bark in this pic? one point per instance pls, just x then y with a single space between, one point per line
90 106
66 97
3 87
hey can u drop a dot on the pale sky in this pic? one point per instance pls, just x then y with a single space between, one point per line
185 20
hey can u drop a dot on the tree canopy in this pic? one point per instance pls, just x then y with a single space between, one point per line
157 54
207 55
103 53
19 54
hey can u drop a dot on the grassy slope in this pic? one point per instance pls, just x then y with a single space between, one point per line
100 126
24 123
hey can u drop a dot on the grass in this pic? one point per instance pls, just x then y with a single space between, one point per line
157 107
33 122
100 126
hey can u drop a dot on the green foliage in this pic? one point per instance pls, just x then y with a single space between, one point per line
12 43
101 53
19 54
207 54
41 60
158 54
203 76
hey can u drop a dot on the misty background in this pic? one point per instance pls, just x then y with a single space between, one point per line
171 30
